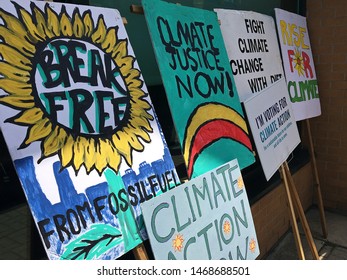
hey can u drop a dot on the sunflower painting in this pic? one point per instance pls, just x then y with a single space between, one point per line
80 127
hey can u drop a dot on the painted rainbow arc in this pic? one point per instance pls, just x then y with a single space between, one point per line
209 123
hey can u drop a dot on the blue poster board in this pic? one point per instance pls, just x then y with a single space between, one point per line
207 218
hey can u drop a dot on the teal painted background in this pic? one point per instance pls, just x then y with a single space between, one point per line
196 73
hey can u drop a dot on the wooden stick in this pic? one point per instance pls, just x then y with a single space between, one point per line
317 185
301 213
136 9
296 234
140 252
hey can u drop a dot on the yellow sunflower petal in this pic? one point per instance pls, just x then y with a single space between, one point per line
132 83
19 102
66 152
140 106
41 24
31 27
137 93
13 39
133 140
78 26
110 40
38 131
53 21
298 68
12 22
114 160
15 87
88 24
30 116
100 156
140 121
147 116
54 142
137 130
78 150
15 33
89 155
122 146
131 76
14 57
143 113
126 62
65 25
120 51
99 34
13 73
110 150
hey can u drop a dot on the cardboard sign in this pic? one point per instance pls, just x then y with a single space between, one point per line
199 85
207 218
80 127
298 64
251 43
273 126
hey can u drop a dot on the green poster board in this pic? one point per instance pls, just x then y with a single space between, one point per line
202 96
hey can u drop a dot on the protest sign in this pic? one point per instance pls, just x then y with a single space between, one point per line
207 218
273 126
298 64
251 43
80 127
201 92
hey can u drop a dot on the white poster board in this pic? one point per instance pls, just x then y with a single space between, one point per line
298 64
251 42
273 126
80 127
207 218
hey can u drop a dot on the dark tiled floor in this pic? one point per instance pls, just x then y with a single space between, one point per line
15 233
15 237
334 247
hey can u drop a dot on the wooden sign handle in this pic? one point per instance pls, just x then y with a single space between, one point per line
301 213
140 252
317 185
136 9
292 215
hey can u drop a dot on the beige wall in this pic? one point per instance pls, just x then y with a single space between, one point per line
327 25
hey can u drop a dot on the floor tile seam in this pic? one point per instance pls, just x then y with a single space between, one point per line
318 237
333 244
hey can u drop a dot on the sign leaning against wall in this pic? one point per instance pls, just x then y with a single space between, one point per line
80 127
207 218
255 58
201 92
298 64
251 42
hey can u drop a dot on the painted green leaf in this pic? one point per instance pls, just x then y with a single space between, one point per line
93 243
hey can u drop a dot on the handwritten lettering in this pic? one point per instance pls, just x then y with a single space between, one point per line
191 48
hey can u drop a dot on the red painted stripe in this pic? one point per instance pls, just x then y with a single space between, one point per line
212 131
